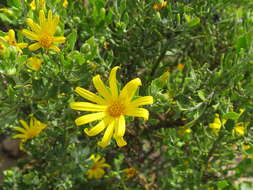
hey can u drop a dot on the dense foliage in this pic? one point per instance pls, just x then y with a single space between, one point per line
193 57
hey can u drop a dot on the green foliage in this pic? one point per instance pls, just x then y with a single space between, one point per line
213 41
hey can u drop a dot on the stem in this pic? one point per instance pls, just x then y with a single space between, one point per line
209 155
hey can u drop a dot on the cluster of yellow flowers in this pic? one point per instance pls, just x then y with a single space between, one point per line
110 107
239 128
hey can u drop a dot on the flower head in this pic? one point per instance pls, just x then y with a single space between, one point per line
29 132
239 128
217 123
159 6
130 172
44 32
34 63
97 169
11 40
65 3
111 106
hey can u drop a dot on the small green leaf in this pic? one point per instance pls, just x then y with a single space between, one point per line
231 115
72 39
201 95
222 184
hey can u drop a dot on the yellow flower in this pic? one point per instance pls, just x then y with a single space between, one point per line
130 172
65 3
97 169
239 128
33 5
180 67
217 123
44 32
159 6
11 40
111 107
34 63
184 130
29 132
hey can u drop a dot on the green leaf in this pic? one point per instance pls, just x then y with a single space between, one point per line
222 184
231 115
72 39
201 95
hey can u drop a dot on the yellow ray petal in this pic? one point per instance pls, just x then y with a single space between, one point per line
20 129
19 136
99 85
29 34
105 165
22 45
86 106
42 18
129 89
142 101
50 16
25 125
32 122
59 39
99 173
35 27
137 112
34 46
120 141
89 95
55 48
11 35
108 135
113 82
89 118
54 24
120 127
96 129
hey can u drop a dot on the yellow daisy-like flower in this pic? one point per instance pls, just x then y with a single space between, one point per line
11 40
29 132
130 172
34 63
111 107
44 32
97 169
239 128
159 6
217 123
65 3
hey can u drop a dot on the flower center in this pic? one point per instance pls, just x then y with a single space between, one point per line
31 133
116 109
13 43
46 41
95 167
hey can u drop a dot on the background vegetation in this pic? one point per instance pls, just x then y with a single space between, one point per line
194 57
